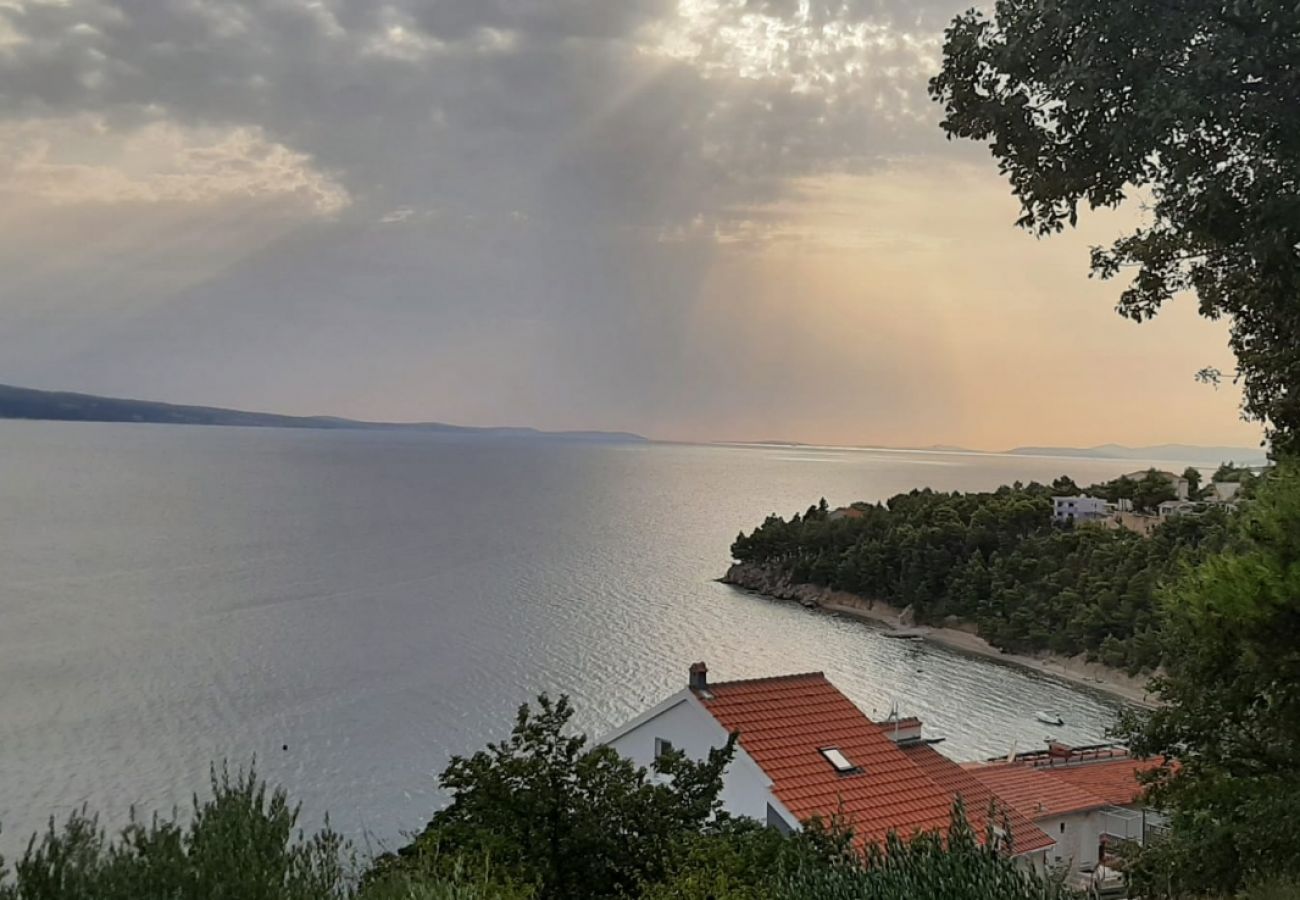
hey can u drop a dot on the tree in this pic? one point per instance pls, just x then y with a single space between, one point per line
1190 103
1192 476
995 559
1064 486
244 842
577 821
953 866
1229 471
1231 709
1152 490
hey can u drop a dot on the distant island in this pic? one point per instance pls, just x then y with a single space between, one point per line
63 406
1184 453
1173 452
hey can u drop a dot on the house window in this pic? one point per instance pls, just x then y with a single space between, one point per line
662 746
1062 828
839 760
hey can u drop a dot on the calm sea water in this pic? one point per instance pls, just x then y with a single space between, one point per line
376 602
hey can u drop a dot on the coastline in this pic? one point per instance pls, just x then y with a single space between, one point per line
1075 670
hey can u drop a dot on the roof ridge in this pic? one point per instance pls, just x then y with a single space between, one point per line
790 677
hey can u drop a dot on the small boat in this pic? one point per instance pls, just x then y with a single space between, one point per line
1049 718
904 635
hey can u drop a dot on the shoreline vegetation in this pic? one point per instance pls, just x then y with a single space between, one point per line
964 638
999 574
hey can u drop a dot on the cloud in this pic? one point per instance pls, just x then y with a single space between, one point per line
82 160
643 112
689 217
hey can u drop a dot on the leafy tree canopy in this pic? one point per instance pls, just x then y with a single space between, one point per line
573 819
1231 717
1190 103
997 559
242 843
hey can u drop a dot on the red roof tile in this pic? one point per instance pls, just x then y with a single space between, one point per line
1034 791
978 799
1040 790
785 722
1115 781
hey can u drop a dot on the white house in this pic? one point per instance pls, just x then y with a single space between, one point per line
804 750
1080 509
1086 799
1175 508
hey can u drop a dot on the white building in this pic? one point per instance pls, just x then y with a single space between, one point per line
804 750
1080 509
1175 508
1223 491
1087 799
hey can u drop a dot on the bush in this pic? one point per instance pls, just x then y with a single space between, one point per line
571 819
243 844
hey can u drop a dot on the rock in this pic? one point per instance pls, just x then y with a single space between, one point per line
774 584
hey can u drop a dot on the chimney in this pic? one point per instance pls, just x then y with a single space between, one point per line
902 730
699 677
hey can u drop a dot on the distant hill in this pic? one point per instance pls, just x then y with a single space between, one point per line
27 403
1189 453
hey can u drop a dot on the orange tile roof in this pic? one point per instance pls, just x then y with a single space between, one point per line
1034 791
1115 781
1041 790
978 799
785 722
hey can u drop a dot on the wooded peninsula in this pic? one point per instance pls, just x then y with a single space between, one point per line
1000 560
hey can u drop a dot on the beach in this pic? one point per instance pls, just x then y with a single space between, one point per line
962 638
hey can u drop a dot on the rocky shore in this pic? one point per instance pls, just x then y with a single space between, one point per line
956 635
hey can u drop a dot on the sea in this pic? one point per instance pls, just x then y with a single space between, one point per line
346 610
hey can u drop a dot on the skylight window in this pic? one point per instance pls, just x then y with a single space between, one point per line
838 760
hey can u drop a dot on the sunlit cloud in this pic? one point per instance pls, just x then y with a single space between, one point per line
10 37
398 37
84 160
736 38
694 218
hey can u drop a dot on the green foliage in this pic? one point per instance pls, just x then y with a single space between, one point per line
735 859
955 866
242 844
1232 708
451 878
1146 493
1230 472
997 560
749 862
1189 104
576 821
1272 889
526 798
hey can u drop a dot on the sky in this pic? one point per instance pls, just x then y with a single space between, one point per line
692 219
